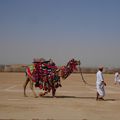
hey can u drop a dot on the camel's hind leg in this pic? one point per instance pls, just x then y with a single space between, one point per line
31 86
25 85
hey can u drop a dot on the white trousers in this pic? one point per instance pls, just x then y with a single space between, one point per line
100 89
117 81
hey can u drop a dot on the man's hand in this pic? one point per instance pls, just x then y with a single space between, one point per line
104 83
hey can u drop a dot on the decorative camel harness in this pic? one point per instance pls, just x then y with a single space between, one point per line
46 77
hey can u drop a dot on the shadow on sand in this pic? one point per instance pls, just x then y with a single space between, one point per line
66 97
69 97
110 100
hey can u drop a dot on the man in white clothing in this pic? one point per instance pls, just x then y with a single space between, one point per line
117 78
100 84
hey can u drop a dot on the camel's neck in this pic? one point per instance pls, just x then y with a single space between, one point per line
66 72
68 69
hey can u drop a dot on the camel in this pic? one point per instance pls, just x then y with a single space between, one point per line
60 73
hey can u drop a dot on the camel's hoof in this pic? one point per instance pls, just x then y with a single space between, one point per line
25 96
41 94
54 97
35 96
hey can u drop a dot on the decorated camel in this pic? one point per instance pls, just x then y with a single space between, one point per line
47 76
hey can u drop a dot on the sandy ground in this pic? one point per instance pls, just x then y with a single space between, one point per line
74 101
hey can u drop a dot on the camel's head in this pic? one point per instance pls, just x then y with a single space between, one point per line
73 63
65 71
69 68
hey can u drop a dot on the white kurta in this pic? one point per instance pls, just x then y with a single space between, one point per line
100 84
117 77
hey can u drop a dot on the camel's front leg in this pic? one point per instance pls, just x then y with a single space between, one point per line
31 86
53 91
25 85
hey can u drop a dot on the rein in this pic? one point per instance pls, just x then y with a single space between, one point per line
86 83
82 75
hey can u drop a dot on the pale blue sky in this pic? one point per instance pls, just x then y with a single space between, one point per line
88 30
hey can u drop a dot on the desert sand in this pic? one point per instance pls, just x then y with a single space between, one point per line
74 100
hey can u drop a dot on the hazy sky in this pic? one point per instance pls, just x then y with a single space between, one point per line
88 30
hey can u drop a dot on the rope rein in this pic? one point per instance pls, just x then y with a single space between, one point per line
86 83
82 75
